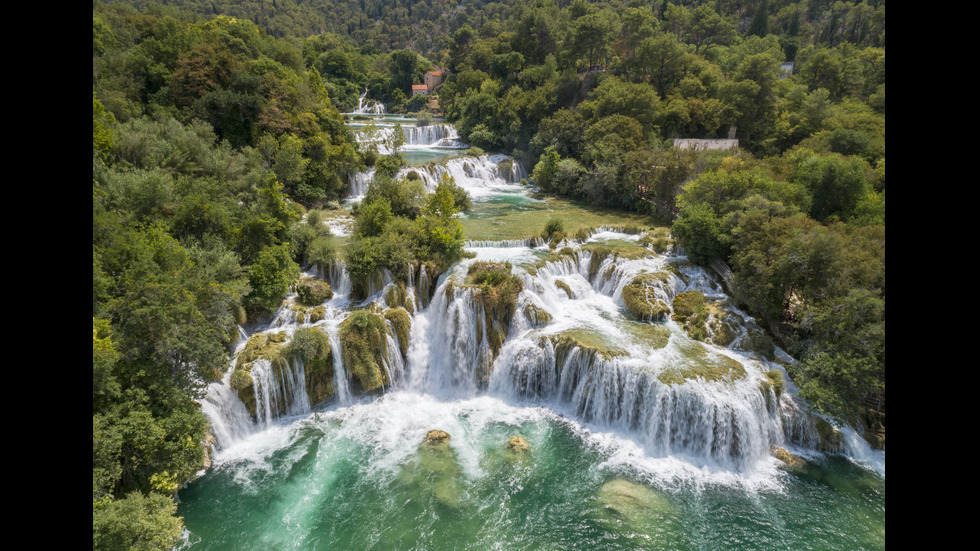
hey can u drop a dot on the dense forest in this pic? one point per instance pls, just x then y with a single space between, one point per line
218 125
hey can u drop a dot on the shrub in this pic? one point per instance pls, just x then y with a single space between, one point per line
313 291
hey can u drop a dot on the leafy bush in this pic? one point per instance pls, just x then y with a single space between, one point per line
313 291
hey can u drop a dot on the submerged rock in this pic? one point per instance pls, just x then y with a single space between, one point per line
794 462
435 472
518 444
436 438
634 503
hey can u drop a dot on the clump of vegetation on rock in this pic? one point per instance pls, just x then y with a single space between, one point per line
401 323
312 346
564 287
397 297
312 291
497 291
537 316
640 300
701 364
691 311
364 344
554 231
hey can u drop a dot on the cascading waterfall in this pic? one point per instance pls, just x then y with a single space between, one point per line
724 423
358 182
370 107
279 390
598 390
441 136
480 176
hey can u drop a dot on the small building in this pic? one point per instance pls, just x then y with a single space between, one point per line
700 145
433 79
419 89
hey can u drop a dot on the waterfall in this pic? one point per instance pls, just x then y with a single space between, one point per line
229 419
570 345
582 363
442 136
279 389
479 176
358 182
450 348
341 377
371 107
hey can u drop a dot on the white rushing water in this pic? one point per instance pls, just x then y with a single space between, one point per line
370 106
482 177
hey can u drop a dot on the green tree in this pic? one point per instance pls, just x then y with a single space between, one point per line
760 20
271 276
698 229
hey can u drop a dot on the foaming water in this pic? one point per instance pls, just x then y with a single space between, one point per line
356 477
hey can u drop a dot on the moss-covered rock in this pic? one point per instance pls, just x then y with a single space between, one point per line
588 341
640 300
317 313
794 462
773 382
675 269
506 169
537 316
599 254
657 239
401 323
564 287
311 291
300 313
364 345
691 311
701 364
831 439
617 248
497 291
874 428
312 346
722 331
397 297
759 342
265 346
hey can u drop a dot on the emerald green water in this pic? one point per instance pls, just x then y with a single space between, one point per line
515 216
353 478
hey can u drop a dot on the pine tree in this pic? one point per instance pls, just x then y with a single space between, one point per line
760 21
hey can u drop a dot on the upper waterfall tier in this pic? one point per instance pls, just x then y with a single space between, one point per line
380 135
479 176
